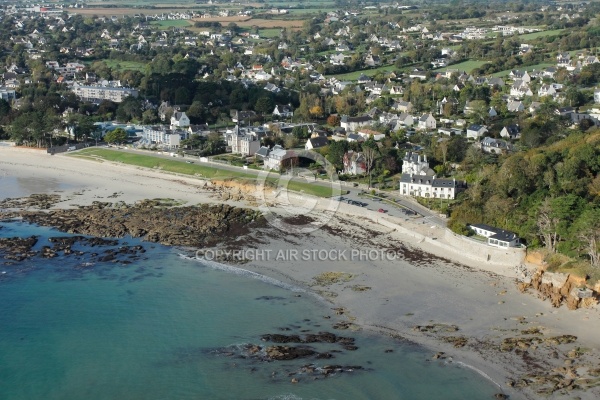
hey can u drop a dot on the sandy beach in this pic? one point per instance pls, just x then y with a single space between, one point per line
461 308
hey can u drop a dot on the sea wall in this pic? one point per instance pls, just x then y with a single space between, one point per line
445 240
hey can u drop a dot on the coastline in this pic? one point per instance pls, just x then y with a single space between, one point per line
418 289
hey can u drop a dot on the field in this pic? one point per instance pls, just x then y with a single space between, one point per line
176 166
178 23
466 66
536 35
125 65
352 76
122 11
247 22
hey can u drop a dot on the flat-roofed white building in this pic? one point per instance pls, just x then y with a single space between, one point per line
96 94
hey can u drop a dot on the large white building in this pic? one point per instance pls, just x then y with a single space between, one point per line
430 186
418 180
246 145
163 136
96 94
415 164
7 94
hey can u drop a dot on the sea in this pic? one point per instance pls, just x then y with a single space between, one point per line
162 326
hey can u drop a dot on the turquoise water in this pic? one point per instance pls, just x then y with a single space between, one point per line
152 330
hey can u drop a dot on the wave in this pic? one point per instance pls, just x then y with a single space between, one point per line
480 372
244 272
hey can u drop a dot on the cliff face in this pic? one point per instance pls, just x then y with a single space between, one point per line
559 288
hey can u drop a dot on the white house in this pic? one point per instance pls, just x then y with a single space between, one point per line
427 122
179 120
415 164
597 96
368 133
351 124
497 237
476 131
430 186
283 111
272 158
246 145
515 106
511 132
316 143
494 146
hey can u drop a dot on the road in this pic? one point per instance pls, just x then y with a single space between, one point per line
400 203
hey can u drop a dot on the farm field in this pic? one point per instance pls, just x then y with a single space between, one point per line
247 22
172 23
122 11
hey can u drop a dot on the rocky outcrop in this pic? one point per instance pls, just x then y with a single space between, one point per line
193 226
559 288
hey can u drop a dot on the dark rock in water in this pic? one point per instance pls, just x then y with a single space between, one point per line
277 338
288 352
193 226
323 356
107 258
500 396
389 350
270 298
18 249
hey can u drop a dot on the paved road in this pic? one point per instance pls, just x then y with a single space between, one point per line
402 202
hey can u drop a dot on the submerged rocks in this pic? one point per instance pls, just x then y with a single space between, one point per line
280 353
18 249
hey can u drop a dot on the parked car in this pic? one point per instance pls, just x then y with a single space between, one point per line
381 210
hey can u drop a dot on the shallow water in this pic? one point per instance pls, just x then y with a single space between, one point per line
152 330
11 186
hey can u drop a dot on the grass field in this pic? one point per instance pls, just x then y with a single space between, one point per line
179 167
178 23
246 22
125 65
536 35
466 66
352 76
269 33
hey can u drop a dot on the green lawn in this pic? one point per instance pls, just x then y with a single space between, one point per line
125 65
536 35
177 166
179 23
352 76
466 66
269 32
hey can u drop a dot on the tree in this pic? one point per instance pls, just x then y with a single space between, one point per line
333 120
316 111
369 155
336 153
264 105
116 136
588 226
